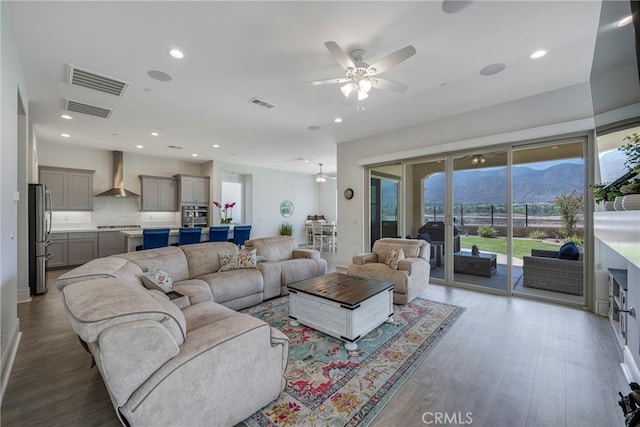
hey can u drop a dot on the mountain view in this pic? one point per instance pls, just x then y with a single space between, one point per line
489 185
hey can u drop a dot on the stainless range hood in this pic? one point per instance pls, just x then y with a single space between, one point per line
118 189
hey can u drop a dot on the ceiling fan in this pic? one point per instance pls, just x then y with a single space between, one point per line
360 77
478 159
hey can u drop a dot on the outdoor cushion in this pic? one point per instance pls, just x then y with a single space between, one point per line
569 251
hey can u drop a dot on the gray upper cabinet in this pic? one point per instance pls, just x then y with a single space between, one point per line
194 190
159 193
71 189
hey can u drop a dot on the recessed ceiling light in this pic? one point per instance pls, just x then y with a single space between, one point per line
538 54
65 135
337 120
66 117
155 134
625 21
176 53
555 147
139 146
216 145
306 161
194 155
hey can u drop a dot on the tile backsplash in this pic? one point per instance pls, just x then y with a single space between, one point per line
114 211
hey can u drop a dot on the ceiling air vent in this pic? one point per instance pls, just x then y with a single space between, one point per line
100 82
91 110
174 147
261 103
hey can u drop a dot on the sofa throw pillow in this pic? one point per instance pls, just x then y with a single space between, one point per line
244 259
569 251
394 258
158 279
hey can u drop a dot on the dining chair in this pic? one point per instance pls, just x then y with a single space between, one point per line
320 239
218 234
189 235
309 233
330 232
154 238
240 234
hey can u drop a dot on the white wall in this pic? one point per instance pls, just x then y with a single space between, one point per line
269 188
509 122
11 83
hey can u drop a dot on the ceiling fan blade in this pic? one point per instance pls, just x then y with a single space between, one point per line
393 59
387 84
339 55
326 82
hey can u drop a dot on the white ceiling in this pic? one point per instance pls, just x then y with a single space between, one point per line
235 51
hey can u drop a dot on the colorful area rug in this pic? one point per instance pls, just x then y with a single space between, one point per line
328 385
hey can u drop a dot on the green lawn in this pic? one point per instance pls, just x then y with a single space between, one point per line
498 245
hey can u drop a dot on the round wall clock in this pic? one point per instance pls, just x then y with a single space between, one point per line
348 193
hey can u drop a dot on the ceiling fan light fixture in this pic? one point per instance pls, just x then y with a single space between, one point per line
478 159
364 85
362 95
320 177
347 89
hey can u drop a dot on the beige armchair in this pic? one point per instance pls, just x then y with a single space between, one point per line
412 275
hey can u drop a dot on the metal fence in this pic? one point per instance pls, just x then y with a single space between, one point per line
524 215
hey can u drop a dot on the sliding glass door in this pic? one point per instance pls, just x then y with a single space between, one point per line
384 200
489 216
548 189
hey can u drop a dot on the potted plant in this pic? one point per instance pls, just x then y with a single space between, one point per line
606 193
631 151
631 192
286 229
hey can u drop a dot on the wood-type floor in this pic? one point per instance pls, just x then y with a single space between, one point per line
506 362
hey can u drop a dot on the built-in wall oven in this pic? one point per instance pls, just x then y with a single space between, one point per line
195 216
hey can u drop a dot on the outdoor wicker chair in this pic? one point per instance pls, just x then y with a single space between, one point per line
544 270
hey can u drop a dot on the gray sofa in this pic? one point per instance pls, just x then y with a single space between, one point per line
544 270
282 262
190 360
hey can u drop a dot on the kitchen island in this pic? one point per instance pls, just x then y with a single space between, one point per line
133 238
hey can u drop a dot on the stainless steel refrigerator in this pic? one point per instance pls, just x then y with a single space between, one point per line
39 227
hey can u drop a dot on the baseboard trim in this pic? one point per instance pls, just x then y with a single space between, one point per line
602 308
24 295
8 357
629 367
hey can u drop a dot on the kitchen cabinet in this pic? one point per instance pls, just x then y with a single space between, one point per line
110 243
82 248
71 189
58 250
159 193
194 190
72 249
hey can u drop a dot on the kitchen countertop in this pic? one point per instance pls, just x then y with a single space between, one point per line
174 231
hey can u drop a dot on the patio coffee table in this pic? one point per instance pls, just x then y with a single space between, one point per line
483 264
345 307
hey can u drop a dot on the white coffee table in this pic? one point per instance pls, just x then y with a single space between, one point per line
345 307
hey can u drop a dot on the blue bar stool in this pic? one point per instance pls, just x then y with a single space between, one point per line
189 235
154 238
218 234
240 234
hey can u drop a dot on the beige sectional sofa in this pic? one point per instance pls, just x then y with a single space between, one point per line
191 360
